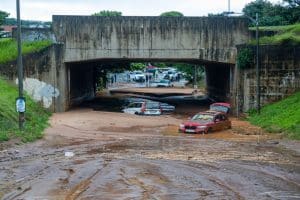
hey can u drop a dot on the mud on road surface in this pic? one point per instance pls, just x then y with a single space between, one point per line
89 154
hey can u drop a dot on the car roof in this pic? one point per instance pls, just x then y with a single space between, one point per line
137 102
221 104
211 112
148 102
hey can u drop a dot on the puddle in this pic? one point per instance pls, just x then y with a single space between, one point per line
132 129
229 135
171 130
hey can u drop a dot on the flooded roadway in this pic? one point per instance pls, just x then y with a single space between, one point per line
121 156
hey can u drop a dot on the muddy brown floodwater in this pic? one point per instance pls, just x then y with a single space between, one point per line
121 156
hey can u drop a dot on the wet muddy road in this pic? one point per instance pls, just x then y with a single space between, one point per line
120 156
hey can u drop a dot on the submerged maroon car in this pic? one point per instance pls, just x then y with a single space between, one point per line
214 119
205 122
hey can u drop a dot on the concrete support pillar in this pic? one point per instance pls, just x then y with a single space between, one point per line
62 79
63 86
195 77
235 100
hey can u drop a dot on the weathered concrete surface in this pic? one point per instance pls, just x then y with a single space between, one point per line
64 74
44 77
280 76
195 38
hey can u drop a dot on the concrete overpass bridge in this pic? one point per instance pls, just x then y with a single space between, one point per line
87 41
65 73
211 39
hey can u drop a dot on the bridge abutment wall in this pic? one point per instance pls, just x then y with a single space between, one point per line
279 76
44 77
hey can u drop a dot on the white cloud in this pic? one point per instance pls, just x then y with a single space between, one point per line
44 9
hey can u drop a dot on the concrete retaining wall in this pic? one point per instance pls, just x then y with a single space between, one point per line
280 76
44 77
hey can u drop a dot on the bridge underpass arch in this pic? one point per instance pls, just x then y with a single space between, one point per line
199 40
82 77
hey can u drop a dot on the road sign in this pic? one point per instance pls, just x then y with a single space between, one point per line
20 104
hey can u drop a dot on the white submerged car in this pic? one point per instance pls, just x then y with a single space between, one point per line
143 108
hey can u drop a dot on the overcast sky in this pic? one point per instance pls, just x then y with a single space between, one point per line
44 9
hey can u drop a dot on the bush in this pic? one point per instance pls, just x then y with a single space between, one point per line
36 116
9 51
280 117
245 58
287 35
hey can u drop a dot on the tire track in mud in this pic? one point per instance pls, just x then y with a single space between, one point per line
263 175
22 185
159 183
269 179
83 185
148 191
35 165
210 178
146 165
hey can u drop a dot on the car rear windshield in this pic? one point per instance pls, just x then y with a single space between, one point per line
135 105
202 117
152 105
219 108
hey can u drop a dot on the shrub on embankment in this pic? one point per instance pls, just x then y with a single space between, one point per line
8 48
280 117
36 116
285 35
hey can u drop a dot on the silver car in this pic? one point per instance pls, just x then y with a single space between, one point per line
143 108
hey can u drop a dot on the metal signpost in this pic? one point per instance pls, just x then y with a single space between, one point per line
257 64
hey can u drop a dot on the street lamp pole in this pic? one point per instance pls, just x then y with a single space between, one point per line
257 67
20 66
256 22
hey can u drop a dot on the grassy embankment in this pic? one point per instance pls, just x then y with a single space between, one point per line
289 35
36 116
8 48
283 116
280 117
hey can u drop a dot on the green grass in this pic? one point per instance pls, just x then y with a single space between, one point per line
36 116
8 48
280 117
277 28
289 34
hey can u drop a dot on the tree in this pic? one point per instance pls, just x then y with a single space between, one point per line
108 13
172 14
259 6
292 3
274 14
3 15
137 66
